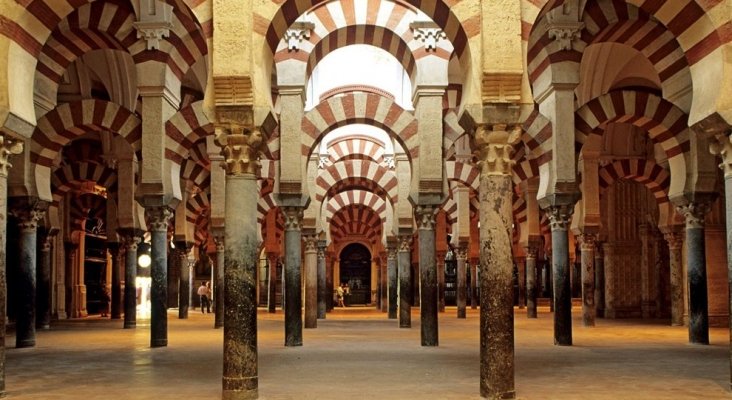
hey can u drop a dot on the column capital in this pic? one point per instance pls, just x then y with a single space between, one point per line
674 238
532 249
495 147
311 243
721 145
28 211
405 242
588 242
159 217
694 213
461 253
425 216
322 244
130 241
8 146
293 217
565 34
240 146
559 216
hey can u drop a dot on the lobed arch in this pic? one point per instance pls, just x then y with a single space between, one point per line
365 108
364 174
666 125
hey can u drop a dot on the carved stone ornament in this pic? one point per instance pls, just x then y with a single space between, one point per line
461 253
694 213
532 250
29 216
391 253
159 217
293 218
588 242
495 148
130 242
675 240
311 243
429 36
389 161
323 161
565 35
154 23
8 146
405 243
241 150
559 216
294 36
721 145
425 216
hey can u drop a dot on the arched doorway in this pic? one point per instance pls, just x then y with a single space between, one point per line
355 270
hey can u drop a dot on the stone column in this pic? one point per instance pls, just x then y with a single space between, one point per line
293 280
440 261
272 258
599 281
428 293
675 241
329 281
322 288
521 267
116 300
240 148
609 267
588 279
311 281
645 270
28 211
130 239
461 255
404 262
694 213
391 281
43 283
159 217
474 263
220 271
7 146
531 284
496 278
559 216
184 282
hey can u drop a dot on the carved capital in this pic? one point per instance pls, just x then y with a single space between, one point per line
565 35
311 243
532 250
240 148
293 218
391 253
495 148
559 216
461 253
220 243
158 217
721 145
154 23
675 239
322 244
8 146
694 213
588 242
425 216
29 212
405 243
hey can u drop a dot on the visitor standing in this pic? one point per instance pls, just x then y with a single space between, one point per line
203 294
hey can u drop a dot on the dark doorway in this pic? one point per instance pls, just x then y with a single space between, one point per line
356 272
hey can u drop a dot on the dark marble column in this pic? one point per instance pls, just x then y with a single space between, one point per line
521 269
240 378
723 147
694 213
384 282
675 242
28 212
272 259
7 146
599 281
531 281
474 263
496 276
130 239
392 284
588 279
293 279
311 281
116 298
43 282
559 217
322 288
428 293
329 282
440 262
404 262
184 282
219 285
461 255
159 217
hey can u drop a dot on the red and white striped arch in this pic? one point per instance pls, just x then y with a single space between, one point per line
71 120
360 108
654 177
198 206
356 148
465 173
356 174
537 132
69 176
355 197
196 173
184 129
356 221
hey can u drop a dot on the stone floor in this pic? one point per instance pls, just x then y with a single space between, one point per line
358 354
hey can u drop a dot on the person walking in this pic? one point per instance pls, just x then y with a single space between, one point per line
339 296
203 293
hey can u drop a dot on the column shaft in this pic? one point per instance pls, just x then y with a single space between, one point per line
159 216
428 291
521 266
272 283
440 261
559 220
219 295
531 286
599 282
25 326
392 283
184 283
588 280
404 260
43 284
322 288
116 300
696 271
462 278
293 280
311 282
130 241
609 268
675 243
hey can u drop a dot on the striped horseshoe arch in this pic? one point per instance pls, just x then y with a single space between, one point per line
356 148
356 220
648 173
184 129
356 174
355 197
68 176
360 108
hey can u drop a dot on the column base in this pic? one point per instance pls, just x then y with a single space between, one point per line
293 344
505 395
218 326
159 343
25 343
241 388
461 314
130 325
43 327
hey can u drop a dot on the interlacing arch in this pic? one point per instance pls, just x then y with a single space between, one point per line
356 174
646 172
360 108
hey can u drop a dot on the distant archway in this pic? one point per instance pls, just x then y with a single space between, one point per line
355 271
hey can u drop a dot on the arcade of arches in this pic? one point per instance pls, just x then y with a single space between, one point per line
469 152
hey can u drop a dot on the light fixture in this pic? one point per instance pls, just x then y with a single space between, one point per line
143 255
